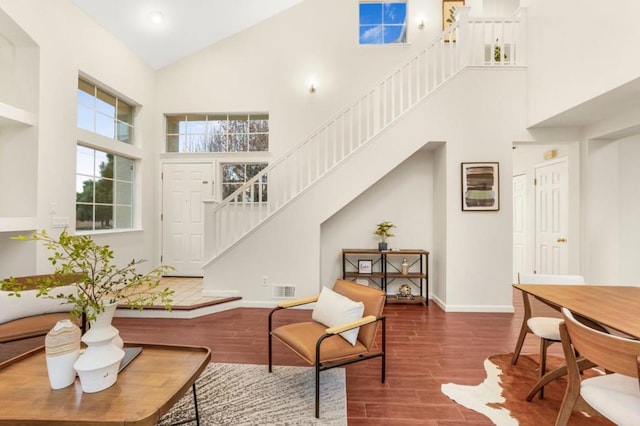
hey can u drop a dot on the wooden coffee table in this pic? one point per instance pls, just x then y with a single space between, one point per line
146 389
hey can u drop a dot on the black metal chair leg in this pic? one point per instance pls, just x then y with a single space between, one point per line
195 404
384 348
317 390
271 339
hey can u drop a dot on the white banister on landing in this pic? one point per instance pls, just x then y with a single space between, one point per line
468 42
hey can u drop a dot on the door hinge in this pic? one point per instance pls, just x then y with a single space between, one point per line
535 181
161 258
161 216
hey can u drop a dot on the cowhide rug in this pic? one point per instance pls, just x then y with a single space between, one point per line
502 396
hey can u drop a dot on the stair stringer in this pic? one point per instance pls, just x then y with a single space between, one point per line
285 249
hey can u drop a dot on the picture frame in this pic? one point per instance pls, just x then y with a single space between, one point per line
365 266
448 10
480 186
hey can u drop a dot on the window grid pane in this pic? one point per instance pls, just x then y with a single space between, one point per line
383 22
103 113
104 190
234 175
217 133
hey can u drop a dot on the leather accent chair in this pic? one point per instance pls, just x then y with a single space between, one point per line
322 346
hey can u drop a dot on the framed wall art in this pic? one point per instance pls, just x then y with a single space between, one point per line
365 266
449 8
480 186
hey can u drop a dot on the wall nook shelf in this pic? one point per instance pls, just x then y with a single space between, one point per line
10 115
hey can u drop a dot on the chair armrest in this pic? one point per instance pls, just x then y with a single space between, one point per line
297 302
349 325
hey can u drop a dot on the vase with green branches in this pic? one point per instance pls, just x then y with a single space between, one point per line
100 282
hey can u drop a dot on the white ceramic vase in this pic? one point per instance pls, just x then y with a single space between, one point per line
98 366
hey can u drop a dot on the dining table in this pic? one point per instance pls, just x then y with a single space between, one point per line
615 307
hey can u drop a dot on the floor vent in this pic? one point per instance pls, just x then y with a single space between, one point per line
284 292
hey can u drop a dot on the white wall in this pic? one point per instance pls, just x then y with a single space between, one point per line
629 210
577 50
612 211
476 275
479 244
404 197
70 42
268 67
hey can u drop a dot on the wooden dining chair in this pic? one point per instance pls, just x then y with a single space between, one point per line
544 327
615 396
322 342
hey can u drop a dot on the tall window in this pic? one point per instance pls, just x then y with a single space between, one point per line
103 113
218 133
383 22
237 174
104 190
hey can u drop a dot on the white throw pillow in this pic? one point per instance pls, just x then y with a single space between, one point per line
27 305
334 309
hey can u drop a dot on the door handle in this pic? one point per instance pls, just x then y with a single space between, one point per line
562 240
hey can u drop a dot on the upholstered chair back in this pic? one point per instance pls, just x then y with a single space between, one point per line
373 300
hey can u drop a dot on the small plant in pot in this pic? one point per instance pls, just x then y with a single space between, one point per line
383 231
100 286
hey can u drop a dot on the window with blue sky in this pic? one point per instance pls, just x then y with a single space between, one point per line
383 22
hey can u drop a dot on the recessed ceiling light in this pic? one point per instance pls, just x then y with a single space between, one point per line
156 17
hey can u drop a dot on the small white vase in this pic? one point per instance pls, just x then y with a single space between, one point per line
62 348
98 366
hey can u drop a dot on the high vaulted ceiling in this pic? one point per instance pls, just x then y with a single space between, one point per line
187 26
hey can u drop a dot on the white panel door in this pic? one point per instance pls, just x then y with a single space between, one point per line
184 187
552 218
519 225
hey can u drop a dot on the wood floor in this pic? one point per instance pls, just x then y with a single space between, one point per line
425 348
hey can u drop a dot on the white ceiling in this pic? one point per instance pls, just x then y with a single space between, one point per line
188 25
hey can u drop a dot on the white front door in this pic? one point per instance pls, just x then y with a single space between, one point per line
552 218
184 187
519 225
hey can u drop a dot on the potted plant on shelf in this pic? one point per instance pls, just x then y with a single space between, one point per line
101 285
383 232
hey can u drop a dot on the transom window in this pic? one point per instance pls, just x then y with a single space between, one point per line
218 132
104 190
103 113
234 175
383 22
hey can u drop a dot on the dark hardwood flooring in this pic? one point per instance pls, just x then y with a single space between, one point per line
426 347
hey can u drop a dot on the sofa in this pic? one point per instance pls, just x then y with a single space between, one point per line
30 316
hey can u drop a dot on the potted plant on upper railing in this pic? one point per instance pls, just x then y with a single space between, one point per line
100 287
383 231
497 52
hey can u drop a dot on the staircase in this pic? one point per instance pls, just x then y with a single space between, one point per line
485 42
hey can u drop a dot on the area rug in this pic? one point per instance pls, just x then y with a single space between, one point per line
247 394
502 395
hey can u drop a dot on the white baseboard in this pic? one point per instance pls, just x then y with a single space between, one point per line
507 309
220 293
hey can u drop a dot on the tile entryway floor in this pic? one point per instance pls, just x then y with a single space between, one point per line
188 290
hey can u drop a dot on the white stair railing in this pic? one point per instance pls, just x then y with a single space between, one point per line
469 41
